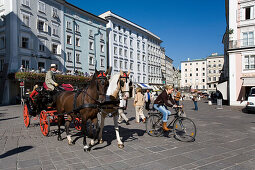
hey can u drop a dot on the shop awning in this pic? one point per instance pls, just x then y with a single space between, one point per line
145 86
223 88
249 81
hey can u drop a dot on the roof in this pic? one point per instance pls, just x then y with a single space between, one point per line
111 14
82 10
194 60
216 56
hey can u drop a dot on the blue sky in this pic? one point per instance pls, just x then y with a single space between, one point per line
189 28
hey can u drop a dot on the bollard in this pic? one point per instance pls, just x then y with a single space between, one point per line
219 104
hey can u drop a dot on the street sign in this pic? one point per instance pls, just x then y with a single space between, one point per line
21 84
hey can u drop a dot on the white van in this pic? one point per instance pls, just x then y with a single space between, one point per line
251 100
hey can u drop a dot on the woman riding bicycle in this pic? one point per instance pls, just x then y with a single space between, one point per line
162 101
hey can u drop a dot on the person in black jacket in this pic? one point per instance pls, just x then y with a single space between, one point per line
162 101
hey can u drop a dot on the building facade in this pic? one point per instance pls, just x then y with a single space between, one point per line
239 49
33 33
163 64
169 71
194 74
177 77
132 47
215 64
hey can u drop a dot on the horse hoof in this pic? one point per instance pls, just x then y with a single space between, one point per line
101 141
87 149
121 146
70 143
60 138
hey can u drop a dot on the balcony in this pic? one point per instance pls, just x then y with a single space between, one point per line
242 43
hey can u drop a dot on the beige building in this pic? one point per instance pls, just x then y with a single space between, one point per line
215 64
193 74
169 71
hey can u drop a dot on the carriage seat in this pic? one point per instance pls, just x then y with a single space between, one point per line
66 87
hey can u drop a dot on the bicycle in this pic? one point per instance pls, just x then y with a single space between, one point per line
184 128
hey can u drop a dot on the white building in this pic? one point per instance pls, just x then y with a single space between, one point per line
239 49
133 47
193 74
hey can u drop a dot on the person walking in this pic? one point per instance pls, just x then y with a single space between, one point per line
177 97
195 99
139 103
148 99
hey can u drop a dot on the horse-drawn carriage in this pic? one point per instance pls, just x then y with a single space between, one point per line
38 105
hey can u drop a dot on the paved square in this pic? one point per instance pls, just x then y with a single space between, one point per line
225 140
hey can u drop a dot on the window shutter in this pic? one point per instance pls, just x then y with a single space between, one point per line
252 12
59 49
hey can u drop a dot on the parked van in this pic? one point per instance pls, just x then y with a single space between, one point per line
251 100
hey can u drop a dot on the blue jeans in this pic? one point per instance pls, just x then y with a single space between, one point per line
195 103
163 110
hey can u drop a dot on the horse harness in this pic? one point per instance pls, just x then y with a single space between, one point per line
126 77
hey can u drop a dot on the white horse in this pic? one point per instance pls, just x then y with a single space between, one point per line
118 89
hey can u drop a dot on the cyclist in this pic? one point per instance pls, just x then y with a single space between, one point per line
162 101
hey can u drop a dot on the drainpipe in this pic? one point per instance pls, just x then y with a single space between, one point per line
74 60
98 32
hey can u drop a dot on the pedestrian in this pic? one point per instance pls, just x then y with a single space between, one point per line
195 99
139 103
148 99
177 97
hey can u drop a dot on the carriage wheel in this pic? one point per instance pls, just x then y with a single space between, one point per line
44 123
26 116
77 123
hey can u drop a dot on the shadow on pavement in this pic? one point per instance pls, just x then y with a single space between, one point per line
15 151
9 118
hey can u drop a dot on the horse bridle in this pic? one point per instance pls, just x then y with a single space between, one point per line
126 77
101 76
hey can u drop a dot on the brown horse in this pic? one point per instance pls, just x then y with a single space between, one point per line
86 106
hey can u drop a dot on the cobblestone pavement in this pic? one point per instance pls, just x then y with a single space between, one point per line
225 140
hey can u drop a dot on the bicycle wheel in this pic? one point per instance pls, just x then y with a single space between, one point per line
154 125
184 129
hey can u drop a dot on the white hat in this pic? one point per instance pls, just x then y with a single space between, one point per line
53 65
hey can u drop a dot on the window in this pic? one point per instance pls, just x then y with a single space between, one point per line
25 19
102 48
121 64
190 64
131 43
41 6
125 65
120 39
55 29
143 47
54 12
131 66
130 32
42 45
119 28
77 58
209 86
69 39
125 53
2 42
185 69
143 68
248 39
214 71
90 33
196 69
203 80
115 63
25 42
196 74
120 51
249 62
115 37
102 62
54 48
91 45
77 42
214 85
25 64
69 54
219 65
138 67
138 79
203 74
125 40
41 65
101 36
91 62
186 81
68 25
26 2
138 45
214 78
77 28
248 13
131 54
210 79
190 74
115 50
42 25
203 69
143 57
138 56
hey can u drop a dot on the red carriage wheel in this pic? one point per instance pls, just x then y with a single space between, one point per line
26 116
77 123
44 123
